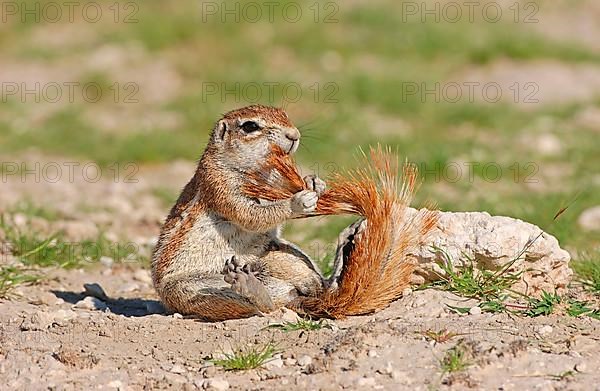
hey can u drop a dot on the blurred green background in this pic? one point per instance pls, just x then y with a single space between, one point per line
168 69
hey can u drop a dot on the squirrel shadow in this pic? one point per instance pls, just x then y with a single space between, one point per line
133 307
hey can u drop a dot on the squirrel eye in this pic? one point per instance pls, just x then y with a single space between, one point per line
250 126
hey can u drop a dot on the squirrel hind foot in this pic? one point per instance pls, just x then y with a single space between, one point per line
245 283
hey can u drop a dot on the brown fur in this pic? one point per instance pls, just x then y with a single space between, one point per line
376 271
213 221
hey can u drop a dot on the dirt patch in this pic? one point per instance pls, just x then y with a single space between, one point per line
127 347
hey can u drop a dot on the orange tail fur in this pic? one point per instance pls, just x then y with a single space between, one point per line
376 270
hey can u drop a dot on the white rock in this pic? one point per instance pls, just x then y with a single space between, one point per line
274 364
372 353
91 303
581 367
95 290
475 311
289 315
545 330
177 315
589 219
492 242
305 360
216 384
290 362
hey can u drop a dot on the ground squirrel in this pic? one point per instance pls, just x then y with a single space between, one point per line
220 255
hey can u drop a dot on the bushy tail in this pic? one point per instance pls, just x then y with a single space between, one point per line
375 269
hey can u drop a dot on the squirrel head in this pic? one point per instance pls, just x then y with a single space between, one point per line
244 137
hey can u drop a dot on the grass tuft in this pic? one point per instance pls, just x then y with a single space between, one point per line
247 358
544 305
488 286
455 359
588 272
35 249
579 308
302 324
12 276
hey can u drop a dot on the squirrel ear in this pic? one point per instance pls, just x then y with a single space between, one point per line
220 130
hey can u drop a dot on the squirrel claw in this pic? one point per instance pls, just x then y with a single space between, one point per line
315 184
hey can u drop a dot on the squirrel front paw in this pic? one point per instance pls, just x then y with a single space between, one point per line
315 184
304 201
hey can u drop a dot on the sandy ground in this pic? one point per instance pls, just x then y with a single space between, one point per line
49 343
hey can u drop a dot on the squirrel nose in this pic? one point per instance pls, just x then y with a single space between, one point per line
292 134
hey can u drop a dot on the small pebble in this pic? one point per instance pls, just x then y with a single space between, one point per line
545 330
91 303
177 315
372 353
216 384
274 363
475 310
581 367
289 315
305 360
290 362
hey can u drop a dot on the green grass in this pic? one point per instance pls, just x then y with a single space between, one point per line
543 306
488 286
579 308
247 358
588 271
492 288
12 276
302 324
54 250
455 359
